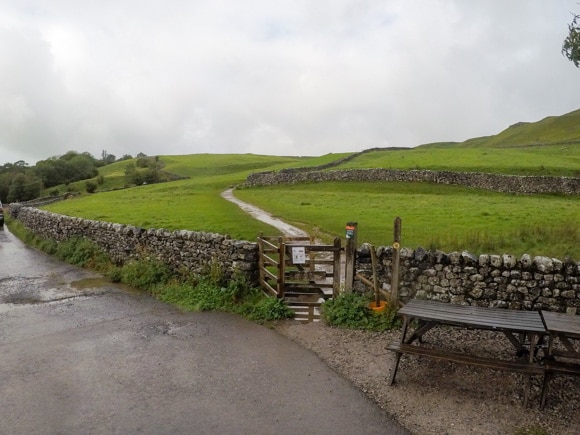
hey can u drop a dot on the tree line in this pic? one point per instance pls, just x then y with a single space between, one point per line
21 182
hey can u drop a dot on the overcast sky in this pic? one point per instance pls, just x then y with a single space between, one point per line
276 77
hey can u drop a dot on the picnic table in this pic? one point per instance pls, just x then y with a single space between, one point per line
562 328
523 329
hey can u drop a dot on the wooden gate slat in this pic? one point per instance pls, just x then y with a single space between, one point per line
294 282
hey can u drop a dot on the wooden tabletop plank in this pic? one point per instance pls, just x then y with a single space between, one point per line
568 324
477 317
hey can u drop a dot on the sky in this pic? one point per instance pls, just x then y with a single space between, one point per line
274 77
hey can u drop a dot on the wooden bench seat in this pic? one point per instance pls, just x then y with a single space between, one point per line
565 368
460 358
554 367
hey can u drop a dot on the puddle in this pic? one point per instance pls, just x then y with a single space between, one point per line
86 283
103 283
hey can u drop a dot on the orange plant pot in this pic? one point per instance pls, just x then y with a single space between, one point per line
378 308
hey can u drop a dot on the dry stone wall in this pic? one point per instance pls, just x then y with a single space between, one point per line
486 280
496 182
189 251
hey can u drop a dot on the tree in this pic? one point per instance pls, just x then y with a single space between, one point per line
81 167
106 158
132 176
24 187
571 46
91 186
66 169
152 176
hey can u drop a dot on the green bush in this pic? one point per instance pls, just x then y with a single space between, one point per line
91 186
79 251
144 274
351 310
115 273
267 309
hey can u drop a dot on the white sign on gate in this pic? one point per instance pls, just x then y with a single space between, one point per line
298 255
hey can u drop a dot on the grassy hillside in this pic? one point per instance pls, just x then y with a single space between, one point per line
553 130
438 217
193 204
233 167
546 160
548 147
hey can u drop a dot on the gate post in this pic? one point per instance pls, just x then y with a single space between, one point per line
351 228
261 265
281 266
336 268
396 262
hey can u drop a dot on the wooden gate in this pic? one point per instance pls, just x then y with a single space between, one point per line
299 271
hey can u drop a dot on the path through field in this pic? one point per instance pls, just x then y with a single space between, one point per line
264 216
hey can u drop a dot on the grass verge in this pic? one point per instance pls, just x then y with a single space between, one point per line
208 292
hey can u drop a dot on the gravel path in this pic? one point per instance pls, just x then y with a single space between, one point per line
433 397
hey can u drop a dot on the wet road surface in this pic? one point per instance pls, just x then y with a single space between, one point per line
81 355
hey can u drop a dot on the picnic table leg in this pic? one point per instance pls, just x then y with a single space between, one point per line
547 374
422 328
533 340
398 354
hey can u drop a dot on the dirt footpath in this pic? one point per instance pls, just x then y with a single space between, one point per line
434 397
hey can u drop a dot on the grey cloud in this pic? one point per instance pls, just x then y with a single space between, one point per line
288 77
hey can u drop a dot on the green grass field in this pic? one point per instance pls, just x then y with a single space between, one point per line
434 216
550 160
193 204
449 218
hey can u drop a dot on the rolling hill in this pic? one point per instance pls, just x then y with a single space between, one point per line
552 130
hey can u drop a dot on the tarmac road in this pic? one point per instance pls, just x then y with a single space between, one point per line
81 355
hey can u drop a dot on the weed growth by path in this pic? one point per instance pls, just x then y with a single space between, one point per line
351 310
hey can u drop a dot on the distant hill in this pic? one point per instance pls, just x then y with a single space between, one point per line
553 130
